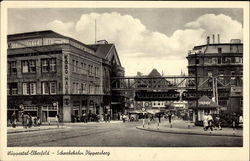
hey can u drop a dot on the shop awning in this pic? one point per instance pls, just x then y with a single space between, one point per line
205 102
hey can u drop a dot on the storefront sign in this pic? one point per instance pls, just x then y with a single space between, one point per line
236 91
204 102
66 74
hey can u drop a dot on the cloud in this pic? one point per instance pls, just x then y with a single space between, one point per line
66 29
133 40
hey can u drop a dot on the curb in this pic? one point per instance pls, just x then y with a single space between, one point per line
186 132
32 130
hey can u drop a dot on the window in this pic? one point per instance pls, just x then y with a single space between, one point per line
74 87
81 70
232 72
26 89
32 88
219 50
210 73
25 66
85 68
29 66
45 65
53 65
219 61
45 87
12 67
76 68
77 88
228 60
49 87
208 60
32 66
73 65
29 88
48 65
214 60
12 88
238 60
197 61
52 87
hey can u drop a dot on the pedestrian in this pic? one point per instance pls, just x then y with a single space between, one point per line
29 120
169 118
38 121
210 122
234 121
13 119
205 121
35 121
22 116
123 118
218 122
57 120
25 120
159 117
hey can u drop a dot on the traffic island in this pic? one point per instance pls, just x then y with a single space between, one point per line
226 132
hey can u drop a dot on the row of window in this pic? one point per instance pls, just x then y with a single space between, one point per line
82 68
29 66
219 72
82 88
30 88
226 60
216 60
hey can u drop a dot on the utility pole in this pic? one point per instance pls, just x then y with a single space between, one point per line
196 88
95 31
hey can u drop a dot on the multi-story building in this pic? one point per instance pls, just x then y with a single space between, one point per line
50 74
225 62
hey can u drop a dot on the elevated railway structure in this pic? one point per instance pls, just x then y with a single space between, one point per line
178 87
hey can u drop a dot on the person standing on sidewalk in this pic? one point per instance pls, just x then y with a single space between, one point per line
234 121
13 119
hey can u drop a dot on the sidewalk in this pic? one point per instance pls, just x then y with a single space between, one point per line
181 127
45 126
20 129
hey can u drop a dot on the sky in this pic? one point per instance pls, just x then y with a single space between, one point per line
145 38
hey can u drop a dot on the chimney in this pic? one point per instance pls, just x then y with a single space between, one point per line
208 40
213 39
218 38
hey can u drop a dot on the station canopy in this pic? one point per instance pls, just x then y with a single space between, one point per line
205 103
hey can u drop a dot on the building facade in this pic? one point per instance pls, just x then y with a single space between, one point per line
51 74
225 62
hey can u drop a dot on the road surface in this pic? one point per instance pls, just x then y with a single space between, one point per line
115 135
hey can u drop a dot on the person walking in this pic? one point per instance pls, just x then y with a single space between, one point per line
57 120
205 121
25 120
210 122
169 118
29 120
123 118
159 117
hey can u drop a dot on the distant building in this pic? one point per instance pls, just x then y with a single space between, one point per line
225 61
50 74
152 81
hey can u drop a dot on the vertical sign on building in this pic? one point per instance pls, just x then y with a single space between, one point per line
66 84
